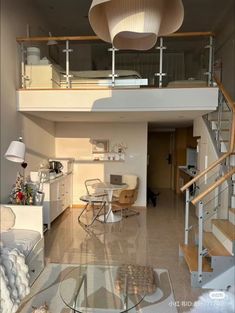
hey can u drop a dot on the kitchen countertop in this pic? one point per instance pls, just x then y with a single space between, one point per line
51 181
191 172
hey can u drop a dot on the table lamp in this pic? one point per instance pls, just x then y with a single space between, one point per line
16 152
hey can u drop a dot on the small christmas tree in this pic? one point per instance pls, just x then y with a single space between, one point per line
21 193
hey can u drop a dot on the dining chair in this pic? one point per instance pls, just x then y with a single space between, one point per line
126 198
95 198
125 201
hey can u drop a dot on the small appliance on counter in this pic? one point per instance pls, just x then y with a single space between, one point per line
55 166
67 164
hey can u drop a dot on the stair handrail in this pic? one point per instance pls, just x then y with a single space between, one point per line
217 183
231 105
205 171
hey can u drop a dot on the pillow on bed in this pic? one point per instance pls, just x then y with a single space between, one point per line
7 218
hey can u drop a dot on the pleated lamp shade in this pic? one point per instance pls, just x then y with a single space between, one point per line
135 24
16 152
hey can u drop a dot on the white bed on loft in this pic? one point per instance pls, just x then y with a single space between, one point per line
44 76
189 83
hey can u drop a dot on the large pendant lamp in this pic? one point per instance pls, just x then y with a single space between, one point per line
135 24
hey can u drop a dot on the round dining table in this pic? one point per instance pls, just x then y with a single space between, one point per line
109 188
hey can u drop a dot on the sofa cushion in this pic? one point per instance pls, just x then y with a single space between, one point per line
7 218
23 240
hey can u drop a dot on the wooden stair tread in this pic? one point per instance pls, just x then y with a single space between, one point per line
213 245
226 227
232 210
191 258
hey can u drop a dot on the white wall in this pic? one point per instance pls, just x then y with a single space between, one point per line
38 135
73 140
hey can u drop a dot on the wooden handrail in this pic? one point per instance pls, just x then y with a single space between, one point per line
208 169
226 95
94 38
63 38
231 105
213 186
191 34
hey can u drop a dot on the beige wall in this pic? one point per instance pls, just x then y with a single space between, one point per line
38 135
73 140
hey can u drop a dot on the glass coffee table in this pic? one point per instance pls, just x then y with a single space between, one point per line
94 289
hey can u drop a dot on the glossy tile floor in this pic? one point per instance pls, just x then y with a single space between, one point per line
151 238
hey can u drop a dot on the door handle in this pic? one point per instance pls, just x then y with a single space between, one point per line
169 158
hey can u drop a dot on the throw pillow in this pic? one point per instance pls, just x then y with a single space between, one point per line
7 218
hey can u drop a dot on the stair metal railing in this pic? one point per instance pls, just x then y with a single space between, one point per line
221 122
201 212
223 173
200 183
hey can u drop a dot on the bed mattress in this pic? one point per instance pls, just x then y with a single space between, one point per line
23 240
187 83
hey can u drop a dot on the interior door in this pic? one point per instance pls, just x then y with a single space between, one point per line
160 149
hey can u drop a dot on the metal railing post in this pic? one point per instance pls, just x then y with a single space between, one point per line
210 64
218 131
22 51
113 75
126 292
160 74
186 227
67 76
200 240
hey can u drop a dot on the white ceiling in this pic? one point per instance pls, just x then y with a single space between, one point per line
159 119
69 17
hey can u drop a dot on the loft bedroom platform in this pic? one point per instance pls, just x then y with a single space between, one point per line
178 60
177 74
119 100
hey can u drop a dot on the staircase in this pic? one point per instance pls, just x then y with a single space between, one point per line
210 255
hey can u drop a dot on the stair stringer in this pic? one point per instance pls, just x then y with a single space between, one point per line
221 277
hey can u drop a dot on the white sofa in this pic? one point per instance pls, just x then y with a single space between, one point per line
27 236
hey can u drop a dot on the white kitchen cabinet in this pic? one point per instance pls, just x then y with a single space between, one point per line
58 197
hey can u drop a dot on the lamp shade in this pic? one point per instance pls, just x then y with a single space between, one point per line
16 152
135 24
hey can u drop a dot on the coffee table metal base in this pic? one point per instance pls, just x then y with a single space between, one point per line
112 218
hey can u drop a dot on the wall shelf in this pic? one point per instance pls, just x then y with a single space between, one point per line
99 161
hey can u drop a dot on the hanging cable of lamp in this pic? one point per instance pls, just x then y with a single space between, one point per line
135 24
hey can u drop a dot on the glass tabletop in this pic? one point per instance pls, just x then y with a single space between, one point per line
93 289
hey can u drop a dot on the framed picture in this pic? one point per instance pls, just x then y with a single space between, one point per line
100 146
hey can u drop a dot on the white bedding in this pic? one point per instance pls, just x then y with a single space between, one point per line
23 240
103 74
14 279
187 83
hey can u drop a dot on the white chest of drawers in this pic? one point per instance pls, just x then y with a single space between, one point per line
58 197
